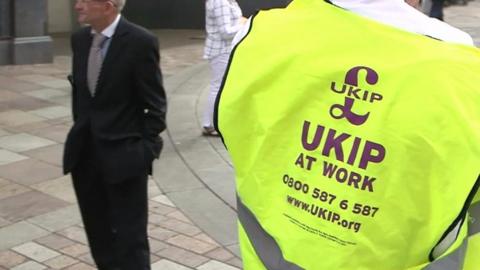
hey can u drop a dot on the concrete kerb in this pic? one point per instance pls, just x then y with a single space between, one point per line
193 171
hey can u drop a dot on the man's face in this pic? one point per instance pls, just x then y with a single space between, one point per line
92 11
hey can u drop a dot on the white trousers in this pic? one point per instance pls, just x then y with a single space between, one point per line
218 64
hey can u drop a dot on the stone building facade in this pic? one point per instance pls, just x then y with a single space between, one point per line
25 25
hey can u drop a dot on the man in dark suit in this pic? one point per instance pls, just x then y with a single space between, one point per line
119 108
437 9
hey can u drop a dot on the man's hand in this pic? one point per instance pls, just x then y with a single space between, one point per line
242 20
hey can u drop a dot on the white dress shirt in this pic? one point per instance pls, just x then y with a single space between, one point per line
108 32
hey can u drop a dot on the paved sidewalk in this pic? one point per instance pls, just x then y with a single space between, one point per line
466 18
40 226
192 199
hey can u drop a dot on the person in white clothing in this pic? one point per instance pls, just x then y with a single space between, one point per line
223 19
398 13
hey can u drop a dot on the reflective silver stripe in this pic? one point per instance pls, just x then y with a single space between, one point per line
453 261
270 254
447 241
474 211
456 259
265 246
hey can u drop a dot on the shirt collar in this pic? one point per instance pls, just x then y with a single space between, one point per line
110 30
399 14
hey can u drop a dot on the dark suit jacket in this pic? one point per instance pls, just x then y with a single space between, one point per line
128 110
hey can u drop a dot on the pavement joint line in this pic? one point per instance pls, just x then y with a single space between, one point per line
182 158
184 190
209 140
192 171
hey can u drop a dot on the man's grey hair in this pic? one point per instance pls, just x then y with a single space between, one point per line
120 4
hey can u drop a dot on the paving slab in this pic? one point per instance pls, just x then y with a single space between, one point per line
35 78
24 103
75 233
11 190
4 222
58 220
205 238
169 171
183 256
10 259
29 172
87 258
54 241
29 127
215 265
209 213
220 254
192 244
7 157
6 95
3 132
60 262
75 250
465 18
55 132
17 118
236 261
168 265
179 216
163 200
18 233
4 182
46 94
64 101
36 252
80 266
8 83
23 142
53 112
51 154
156 246
161 234
44 80
27 205
60 188
30 265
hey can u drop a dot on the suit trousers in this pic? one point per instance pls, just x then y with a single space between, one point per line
437 9
115 216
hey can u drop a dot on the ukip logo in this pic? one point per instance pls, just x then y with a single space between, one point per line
352 93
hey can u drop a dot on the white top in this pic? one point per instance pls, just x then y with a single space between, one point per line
222 22
398 14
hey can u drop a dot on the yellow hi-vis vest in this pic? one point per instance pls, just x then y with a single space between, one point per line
356 145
